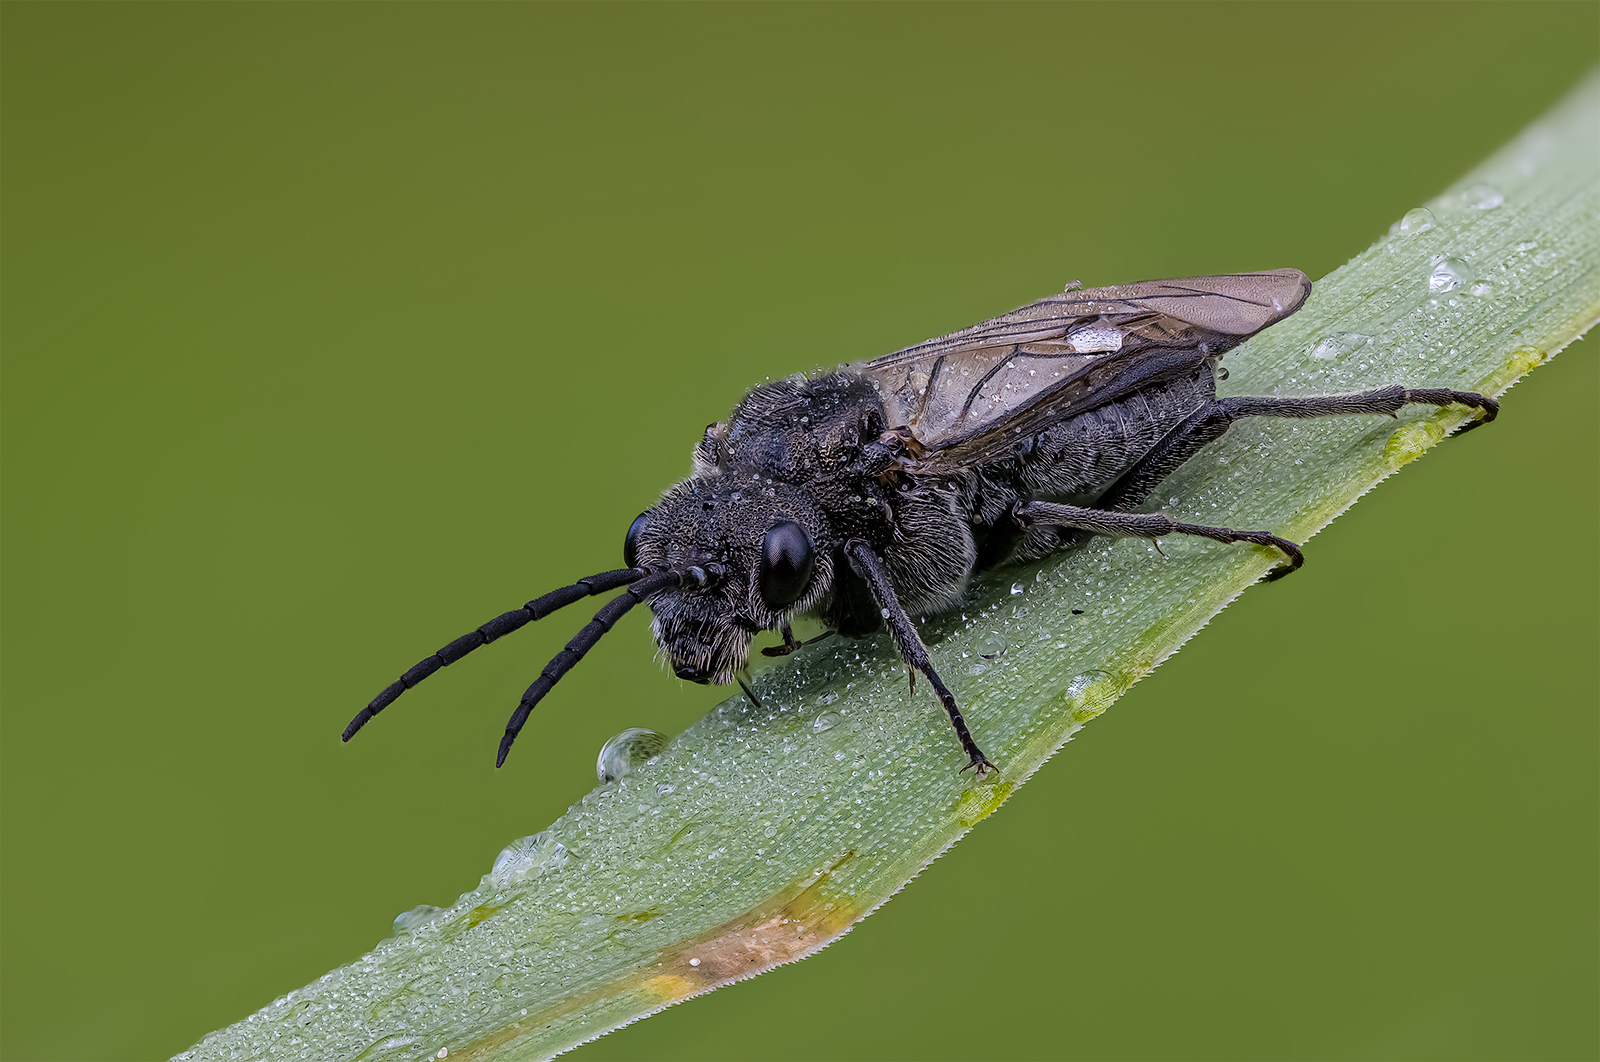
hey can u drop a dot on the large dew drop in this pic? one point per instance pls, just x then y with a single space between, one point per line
1415 221
414 919
527 858
991 645
622 754
1448 275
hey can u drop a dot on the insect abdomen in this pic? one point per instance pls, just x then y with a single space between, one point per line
1081 456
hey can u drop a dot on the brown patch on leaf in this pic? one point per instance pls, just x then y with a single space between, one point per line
788 926
765 937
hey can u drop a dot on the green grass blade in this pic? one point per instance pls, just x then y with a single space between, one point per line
757 838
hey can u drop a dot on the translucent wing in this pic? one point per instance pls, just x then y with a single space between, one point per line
970 395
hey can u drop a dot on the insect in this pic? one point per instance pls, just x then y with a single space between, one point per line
876 492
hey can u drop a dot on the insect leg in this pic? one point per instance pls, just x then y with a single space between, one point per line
1210 422
867 565
1146 525
748 692
790 645
501 625
581 643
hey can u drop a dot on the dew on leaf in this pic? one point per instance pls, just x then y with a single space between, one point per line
626 751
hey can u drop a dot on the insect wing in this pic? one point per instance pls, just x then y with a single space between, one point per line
969 395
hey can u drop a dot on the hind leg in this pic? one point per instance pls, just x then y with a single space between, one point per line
1208 424
1110 515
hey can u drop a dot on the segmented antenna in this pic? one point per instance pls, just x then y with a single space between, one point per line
538 608
585 639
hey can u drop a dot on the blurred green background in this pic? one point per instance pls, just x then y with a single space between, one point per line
331 331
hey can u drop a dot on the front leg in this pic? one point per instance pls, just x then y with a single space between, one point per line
790 645
867 565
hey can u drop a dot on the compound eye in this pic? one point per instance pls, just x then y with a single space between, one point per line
786 564
630 545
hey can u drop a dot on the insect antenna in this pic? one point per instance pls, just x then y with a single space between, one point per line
584 640
538 608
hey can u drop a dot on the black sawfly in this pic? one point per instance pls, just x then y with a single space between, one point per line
876 492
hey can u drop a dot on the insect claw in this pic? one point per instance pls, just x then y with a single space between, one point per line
1485 415
1292 551
1156 542
979 765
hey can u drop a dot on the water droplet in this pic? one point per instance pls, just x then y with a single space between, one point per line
1094 338
1016 588
770 831
825 721
1415 221
1482 197
694 962
528 857
991 645
1449 274
884 613
1338 345
414 919
827 698
634 746
1527 245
